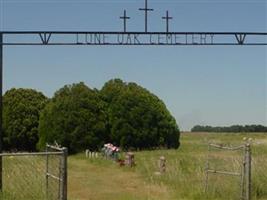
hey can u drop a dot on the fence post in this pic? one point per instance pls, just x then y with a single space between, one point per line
1 110
46 171
248 171
64 179
206 170
243 175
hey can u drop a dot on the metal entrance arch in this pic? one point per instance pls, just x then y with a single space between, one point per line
82 38
122 38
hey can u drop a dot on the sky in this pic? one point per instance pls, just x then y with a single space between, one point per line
207 85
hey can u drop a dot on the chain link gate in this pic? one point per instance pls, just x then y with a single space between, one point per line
56 177
224 160
32 176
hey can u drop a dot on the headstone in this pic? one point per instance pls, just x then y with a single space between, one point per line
162 164
129 159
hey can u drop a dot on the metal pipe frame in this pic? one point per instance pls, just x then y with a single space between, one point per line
53 176
45 36
227 148
55 148
223 172
31 154
1 109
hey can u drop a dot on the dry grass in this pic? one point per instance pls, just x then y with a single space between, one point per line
99 179
184 178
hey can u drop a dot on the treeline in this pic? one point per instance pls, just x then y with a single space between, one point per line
234 128
79 117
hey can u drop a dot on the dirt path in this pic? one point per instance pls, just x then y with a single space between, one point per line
103 180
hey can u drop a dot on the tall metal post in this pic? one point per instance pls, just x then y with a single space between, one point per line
64 179
46 173
1 108
243 175
248 172
206 170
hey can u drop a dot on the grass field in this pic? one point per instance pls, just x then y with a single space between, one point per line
100 179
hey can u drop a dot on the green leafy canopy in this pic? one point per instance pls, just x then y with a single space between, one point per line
79 118
21 109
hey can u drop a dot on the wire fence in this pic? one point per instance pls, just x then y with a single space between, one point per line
56 173
228 171
35 176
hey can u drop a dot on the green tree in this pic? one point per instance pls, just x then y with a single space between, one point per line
75 117
137 118
233 128
21 110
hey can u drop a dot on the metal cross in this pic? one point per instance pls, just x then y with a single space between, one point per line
124 17
167 18
146 9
